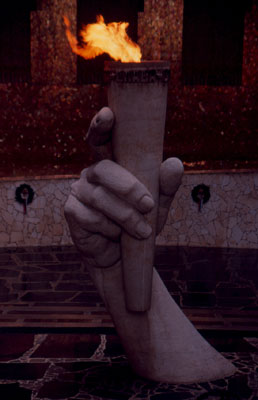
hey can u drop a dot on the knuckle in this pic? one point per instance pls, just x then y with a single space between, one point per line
83 241
133 188
96 171
92 173
105 163
96 196
127 216
83 174
92 218
68 208
74 187
97 219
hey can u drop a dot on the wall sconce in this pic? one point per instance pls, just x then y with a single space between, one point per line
24 195
200 195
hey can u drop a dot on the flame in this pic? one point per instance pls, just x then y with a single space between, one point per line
99 38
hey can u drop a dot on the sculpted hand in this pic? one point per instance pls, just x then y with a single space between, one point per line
107 198
161 343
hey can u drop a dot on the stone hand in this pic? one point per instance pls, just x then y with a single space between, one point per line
107 198
161 343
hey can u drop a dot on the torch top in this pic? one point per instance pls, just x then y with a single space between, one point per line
143 72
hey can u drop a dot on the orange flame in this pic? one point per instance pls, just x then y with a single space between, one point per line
99 38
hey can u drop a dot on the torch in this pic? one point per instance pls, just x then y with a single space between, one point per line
137 94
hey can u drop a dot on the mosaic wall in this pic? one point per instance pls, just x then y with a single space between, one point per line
160 33
228 219
44 222
43 123
52 62
43 129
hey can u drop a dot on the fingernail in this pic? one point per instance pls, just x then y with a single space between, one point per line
143 230
146 202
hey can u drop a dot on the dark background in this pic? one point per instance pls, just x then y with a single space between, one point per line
212 104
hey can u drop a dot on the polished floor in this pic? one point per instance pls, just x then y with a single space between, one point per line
48 287
94 367
58 342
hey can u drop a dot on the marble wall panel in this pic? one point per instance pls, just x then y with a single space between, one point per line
44 223
228 219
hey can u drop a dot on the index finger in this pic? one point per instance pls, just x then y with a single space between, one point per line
99 133
122 183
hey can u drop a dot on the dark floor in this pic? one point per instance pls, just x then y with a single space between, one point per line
57 341
49 287
93 366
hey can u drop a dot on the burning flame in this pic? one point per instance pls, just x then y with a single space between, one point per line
99 38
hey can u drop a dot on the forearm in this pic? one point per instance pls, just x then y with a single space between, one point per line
161 344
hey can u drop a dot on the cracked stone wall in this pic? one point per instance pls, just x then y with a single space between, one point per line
44 222
228 219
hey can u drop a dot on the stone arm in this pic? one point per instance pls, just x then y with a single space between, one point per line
161 344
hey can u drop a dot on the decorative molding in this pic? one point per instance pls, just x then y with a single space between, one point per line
144 72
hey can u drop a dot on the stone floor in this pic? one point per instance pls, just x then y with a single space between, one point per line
94 367
58 342
48 287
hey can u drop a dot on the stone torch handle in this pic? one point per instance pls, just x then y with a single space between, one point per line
138 97
138 262
138 255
